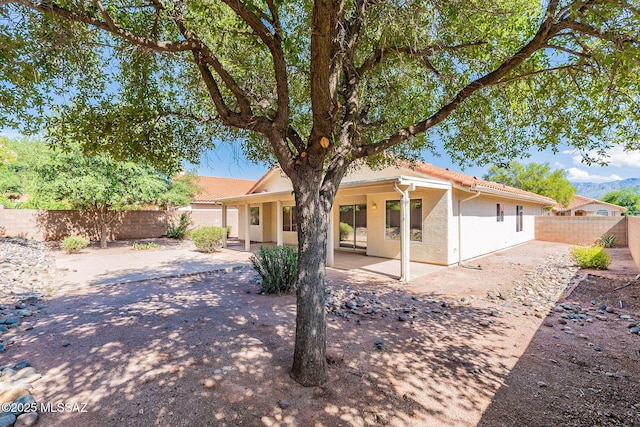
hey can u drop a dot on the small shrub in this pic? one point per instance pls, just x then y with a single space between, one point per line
179 230
345 230
208 238
606 241
74 244
277 267
590 257
144 247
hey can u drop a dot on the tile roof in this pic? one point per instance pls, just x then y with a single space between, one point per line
213 187
473 182
579 201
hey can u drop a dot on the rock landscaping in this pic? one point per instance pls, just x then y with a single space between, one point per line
26 271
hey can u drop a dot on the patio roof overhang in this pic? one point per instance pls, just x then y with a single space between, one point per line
376 185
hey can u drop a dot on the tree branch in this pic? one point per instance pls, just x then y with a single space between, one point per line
274 43
547 30
377 56
155 45
617 39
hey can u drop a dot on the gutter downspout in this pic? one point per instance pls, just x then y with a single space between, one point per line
405 229
460 202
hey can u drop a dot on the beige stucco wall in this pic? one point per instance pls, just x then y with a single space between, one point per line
432 249
481 232
633 230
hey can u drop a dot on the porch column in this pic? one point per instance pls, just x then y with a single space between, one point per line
279 233
247 228
224 224
330 242
405 230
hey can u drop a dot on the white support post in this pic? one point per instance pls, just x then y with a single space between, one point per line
330 242
405 231
224 224
247 228
279 233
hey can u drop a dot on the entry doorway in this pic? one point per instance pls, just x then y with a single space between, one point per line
353 227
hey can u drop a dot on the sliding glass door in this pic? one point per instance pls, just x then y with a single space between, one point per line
353 227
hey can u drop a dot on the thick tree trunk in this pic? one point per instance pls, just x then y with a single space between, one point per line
103 235
309 363
103 220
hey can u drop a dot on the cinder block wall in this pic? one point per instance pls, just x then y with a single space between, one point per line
580 229
633 225
55 225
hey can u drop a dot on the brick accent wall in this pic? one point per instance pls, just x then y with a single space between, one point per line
55 225
633 224
580 230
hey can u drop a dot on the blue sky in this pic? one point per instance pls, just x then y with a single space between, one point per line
227 161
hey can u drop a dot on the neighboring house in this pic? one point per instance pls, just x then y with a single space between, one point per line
583 206
452 217
205 207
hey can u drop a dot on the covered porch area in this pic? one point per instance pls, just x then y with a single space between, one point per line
358 261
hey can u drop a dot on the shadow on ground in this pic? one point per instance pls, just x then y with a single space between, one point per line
208 350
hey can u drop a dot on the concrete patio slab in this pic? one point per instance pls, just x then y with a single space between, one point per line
121 264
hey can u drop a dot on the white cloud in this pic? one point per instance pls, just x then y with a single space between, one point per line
558 165
579 175
616 156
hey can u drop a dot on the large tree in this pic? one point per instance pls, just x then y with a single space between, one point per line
534 177
627 197
98 184
320 85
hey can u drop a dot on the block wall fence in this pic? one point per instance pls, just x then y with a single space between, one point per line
578 230
633 225
55 225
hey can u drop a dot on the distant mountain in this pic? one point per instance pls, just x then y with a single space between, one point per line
596 190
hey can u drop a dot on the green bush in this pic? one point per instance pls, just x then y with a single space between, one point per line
277 267
345 230
590 257
179 230
74 244
208 238
606 241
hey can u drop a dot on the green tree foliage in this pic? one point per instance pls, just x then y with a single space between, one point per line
536 178
320 85
70 179
627 197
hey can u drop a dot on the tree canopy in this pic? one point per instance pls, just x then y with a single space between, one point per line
69 179
320 85
536 178
627 197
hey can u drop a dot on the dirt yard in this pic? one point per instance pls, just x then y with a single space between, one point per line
496 346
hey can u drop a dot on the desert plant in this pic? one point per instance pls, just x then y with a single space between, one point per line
606 241
73 244
179 230
277 267
208 238
345 230
145 246
590 257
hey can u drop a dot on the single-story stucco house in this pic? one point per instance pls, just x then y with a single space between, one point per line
450 217
584 206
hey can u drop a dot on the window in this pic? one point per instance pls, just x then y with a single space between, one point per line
289 221
500 212
519 218
392 220
254 213
602 212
